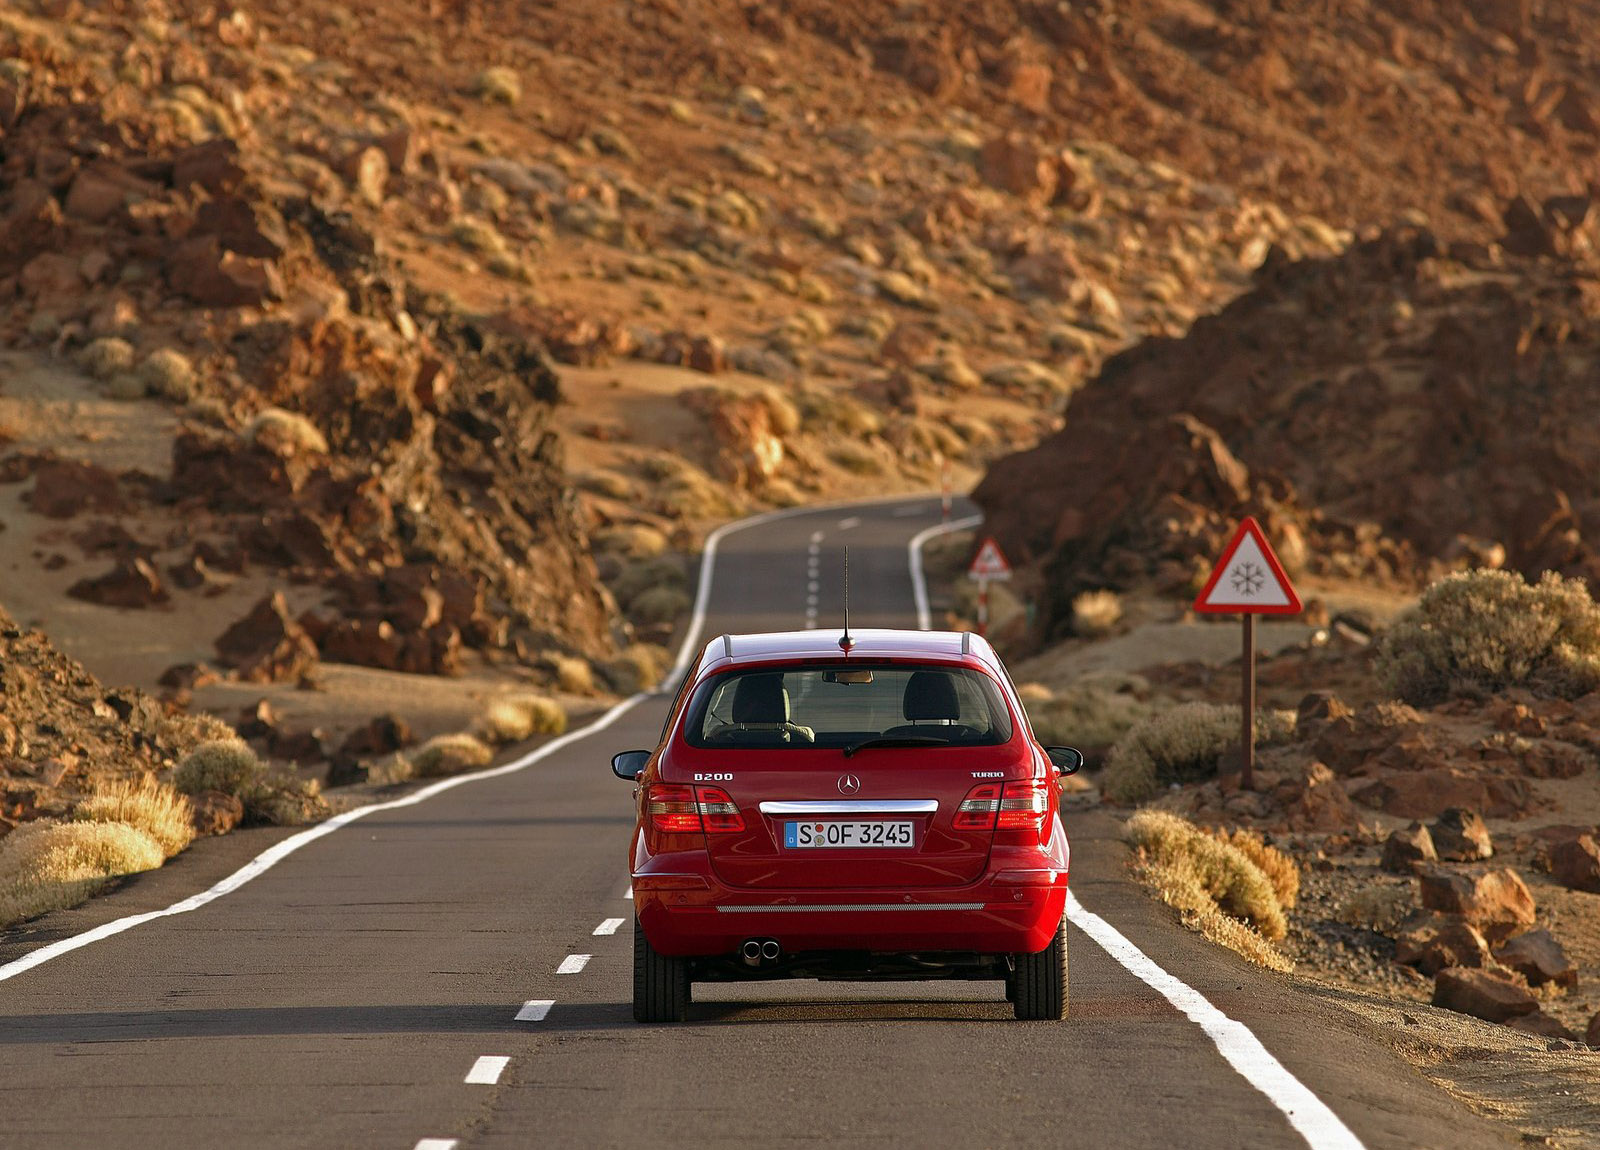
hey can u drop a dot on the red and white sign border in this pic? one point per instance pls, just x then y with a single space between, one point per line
1249 528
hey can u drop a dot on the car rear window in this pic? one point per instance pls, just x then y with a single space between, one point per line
842 706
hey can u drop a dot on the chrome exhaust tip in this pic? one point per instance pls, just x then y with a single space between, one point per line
751 951
770 950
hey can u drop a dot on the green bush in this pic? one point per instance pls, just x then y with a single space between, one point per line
1181 745
1479 632
1096 711
227 765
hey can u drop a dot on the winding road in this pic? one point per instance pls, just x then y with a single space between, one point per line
453 970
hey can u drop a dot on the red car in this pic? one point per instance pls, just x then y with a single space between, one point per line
873 807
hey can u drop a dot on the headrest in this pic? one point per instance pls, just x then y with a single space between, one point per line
931 695
760 699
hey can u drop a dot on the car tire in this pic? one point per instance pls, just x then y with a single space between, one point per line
660 983
1038 986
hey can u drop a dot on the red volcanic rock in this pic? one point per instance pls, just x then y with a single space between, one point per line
1498 903
1539 958
246 226
211 276
213 166
267 646
1541 1025
1575 863
132 583
1432 942
1405 849
1482 995
1020 166
216 812
64 487
1461 836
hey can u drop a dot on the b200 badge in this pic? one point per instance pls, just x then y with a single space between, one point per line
719 777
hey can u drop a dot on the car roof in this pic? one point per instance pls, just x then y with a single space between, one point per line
869 643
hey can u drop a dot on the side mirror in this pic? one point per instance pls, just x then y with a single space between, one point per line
629 765
1068 760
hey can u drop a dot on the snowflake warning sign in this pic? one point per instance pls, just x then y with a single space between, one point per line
1248 580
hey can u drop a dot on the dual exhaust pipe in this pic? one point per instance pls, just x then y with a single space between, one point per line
755 951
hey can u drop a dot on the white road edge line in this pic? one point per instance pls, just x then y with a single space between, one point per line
487 1070
535 1010
1310 1117
436 1144
573 963
609 926
275 854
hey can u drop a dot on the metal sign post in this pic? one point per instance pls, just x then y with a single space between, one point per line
1248 581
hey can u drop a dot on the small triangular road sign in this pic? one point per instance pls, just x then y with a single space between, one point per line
1248 579
989 562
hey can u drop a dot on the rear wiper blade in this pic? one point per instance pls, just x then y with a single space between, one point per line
896 741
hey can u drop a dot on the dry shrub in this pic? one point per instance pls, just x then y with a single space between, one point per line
498 86
450 755
168 373
657 605
1095 613
635 540
1181 745
284 800
285 433
637 578
227 765
1207 880
125 386
142 802
1096 711
46 865
638 668
1479 632
856 458
478 236
1279 868
1379 908
572 674
513 718
106 357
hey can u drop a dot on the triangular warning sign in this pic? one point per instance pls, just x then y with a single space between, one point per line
1248 579
989 562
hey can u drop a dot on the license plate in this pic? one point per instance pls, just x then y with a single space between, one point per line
868 833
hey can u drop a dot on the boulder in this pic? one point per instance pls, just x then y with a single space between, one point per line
211 276
1461 836
1575 863
1482 995
243 225
1425 793
1320 805
132 583
267 645
299 747
1433 942
213 166
381 735
258 721
64 487
1020 166
1542 1025
1404 850
1539 958
1498 903
216 812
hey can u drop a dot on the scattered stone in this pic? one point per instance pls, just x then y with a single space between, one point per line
267 645
1482 995
1432 942
1592 1034
1575 863
216 812
367 171
258 721
1460 836
132 583
1497 903
1542 1025
63 488
1539 958
1404 850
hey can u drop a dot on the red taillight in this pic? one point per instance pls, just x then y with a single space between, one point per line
673 810
1023 805
677 810
977 810
720 812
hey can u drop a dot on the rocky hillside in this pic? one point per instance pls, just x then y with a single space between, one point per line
1390 412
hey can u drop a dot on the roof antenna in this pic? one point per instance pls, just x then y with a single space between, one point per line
845 641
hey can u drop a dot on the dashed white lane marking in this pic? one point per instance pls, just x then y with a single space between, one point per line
487 1070
535 1009
816 539
909 512
850 523
573 963
437 1144
609 926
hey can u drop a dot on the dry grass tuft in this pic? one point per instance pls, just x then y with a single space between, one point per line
286 433
1096 613
450 755
155 808
228 765
638 668
572 674
46 865
1181 745
284 800
1480 632
1201 877
168 373
498 86
657 605
106 357
1279 868
514 718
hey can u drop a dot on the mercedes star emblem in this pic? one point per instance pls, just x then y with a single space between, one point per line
849 784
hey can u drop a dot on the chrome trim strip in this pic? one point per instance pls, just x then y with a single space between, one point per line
854 807
831 907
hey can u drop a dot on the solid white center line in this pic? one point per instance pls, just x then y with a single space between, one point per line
535 1009
436 1144
609 926
487 1070
573 963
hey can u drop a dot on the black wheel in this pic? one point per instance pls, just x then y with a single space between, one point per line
660 983
1038 987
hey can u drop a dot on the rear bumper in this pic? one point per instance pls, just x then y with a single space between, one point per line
685 911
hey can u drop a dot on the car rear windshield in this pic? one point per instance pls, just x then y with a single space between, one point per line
847 706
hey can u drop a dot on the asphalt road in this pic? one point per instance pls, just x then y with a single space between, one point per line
345 997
